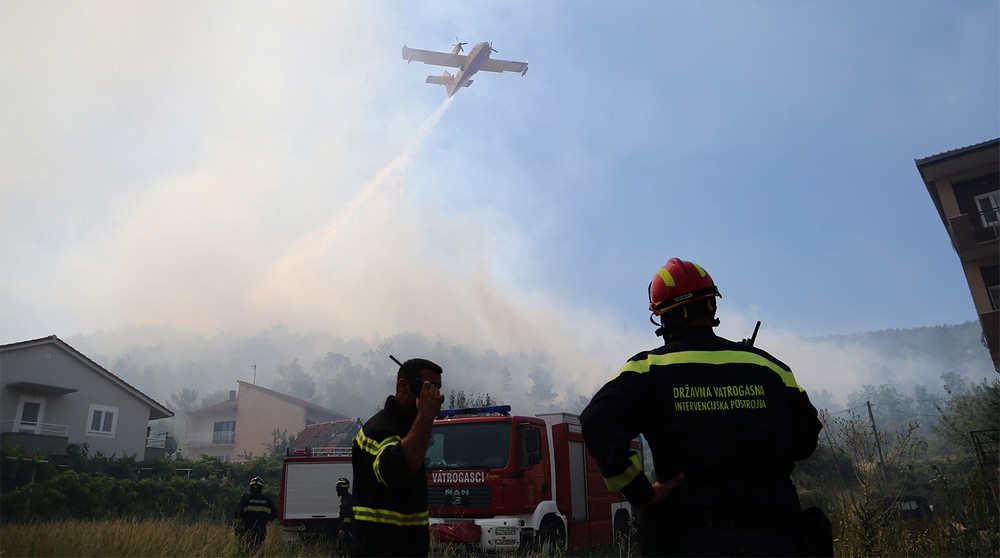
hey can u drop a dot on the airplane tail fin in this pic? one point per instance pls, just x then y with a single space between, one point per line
443 79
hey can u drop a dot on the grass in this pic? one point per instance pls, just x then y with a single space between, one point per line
154 538
126 537
168 537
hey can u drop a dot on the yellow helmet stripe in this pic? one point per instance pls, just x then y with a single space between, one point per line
709 357
668 279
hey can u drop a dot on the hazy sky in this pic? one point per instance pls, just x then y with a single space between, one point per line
227 166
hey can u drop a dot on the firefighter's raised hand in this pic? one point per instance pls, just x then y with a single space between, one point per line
430 400
415 442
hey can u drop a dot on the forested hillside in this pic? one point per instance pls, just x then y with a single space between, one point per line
904 371
958 348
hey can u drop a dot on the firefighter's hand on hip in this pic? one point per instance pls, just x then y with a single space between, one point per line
663 489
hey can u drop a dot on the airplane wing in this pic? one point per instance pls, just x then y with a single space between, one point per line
495 65
433 57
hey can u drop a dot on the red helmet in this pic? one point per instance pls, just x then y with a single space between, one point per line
677 283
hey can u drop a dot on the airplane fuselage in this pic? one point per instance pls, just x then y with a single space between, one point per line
477 57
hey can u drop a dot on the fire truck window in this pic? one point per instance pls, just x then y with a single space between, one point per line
470 445
529 447
434 451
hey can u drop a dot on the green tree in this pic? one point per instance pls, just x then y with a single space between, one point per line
184 402
350 388
217 396
295 382
459 399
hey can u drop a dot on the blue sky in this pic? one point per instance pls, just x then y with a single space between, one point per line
225 167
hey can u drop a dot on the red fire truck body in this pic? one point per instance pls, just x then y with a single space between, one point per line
499 482
308 505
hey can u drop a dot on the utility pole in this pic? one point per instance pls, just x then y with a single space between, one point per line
878 444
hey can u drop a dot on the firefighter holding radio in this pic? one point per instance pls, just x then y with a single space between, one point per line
390 479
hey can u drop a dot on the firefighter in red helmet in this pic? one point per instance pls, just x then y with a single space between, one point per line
676 285
725 422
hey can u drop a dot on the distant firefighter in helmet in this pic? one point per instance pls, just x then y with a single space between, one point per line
725 422
345 529
253 513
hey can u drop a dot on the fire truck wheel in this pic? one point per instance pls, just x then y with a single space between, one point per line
550 536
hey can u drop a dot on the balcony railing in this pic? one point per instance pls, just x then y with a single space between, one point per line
985 225
37 428
210 439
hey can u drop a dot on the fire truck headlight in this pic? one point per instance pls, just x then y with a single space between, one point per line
508 530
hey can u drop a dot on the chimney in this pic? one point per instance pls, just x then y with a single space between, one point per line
232 395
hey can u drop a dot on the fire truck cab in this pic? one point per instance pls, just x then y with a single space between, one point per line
498 481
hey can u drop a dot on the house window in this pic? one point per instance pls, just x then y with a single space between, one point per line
103 421
29 414
989 208
224 432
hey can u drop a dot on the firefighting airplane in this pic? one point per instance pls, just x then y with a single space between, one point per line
467 64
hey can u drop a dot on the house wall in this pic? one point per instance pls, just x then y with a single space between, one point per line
953 183
259 415
205 423
959 201
49 364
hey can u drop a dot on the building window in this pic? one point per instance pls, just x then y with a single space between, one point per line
224 432
103 421
29 414
989 209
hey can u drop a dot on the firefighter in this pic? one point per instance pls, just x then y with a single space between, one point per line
253 513
345 531
390 480
724 422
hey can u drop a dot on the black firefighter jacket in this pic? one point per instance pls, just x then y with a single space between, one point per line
255 510
728 415
390 500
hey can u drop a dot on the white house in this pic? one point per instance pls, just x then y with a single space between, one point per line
52 396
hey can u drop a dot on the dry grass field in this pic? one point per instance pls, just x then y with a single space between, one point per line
150 538
123 537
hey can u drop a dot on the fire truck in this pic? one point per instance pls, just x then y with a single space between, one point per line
308 505
498 481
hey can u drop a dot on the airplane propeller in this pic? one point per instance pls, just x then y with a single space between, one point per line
493 49
459 44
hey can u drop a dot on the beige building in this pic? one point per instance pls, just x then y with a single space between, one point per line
244 425
54 396
965 187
